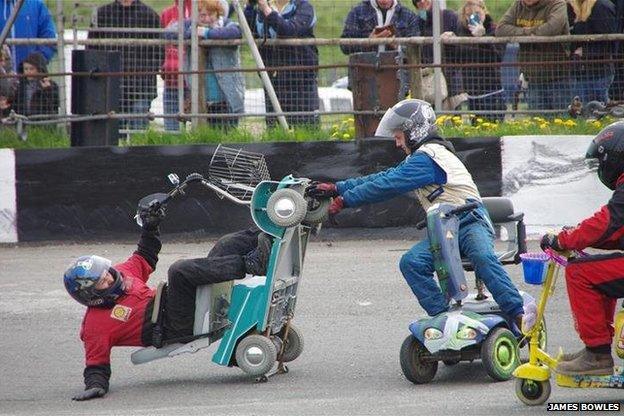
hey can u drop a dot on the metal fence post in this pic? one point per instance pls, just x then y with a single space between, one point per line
181 60
437 56
194 63
60 45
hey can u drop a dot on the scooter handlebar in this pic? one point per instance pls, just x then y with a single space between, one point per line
463 208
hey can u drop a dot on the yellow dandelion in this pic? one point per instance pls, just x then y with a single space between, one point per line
570 123
558 121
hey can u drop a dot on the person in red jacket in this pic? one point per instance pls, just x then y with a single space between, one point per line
168 19
596 282
119 302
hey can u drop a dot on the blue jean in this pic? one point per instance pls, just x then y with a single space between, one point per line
550 95
476 242
171 106
137 106
594 89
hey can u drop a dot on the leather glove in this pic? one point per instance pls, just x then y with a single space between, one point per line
322 190
88 394
336 206
550 240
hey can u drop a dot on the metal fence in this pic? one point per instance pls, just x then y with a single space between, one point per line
177 76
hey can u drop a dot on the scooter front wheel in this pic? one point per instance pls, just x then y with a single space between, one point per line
414 367
532 392
286 207
256 354
499 354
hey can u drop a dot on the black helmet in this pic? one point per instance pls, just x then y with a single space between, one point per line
608 148
81 277
414 117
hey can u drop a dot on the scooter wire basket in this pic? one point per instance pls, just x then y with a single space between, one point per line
237 172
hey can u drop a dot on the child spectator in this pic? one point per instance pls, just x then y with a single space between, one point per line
36 92
224 91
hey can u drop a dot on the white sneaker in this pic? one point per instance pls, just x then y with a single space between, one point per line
530 316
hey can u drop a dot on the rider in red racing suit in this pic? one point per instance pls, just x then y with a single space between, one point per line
595 282
120 303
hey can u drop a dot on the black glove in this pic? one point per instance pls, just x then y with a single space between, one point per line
550 240
88 394
322 190
151 218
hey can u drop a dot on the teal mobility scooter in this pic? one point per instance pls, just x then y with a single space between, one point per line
474 327
251 317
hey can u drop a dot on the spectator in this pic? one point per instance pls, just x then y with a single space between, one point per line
169 20
33 21
224 91
480 81
36 93
378 19
549 86
296 90
590 17
8 84
616 92
137 91
448 23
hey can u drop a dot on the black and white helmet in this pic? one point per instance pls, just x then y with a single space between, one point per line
415 118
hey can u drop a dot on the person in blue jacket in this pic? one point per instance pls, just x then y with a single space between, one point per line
434 172
33 21
296 90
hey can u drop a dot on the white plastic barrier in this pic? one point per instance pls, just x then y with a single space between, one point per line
547 179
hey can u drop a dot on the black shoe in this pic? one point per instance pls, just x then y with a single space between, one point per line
256 261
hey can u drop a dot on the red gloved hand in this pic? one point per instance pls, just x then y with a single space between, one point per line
322 190
336 206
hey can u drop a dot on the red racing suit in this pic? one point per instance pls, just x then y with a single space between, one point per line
128 323
596 282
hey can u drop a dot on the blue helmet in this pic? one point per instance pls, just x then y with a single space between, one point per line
82 275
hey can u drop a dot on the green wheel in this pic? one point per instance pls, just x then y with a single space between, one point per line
532 392
414 367
499 354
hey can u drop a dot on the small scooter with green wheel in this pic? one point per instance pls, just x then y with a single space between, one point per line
533 378
474 327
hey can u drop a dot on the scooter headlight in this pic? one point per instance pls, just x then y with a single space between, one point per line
466 333
432 333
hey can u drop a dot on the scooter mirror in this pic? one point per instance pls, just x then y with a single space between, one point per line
174 179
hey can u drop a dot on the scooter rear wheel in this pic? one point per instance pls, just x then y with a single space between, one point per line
414 367
286 207
532 392
499 354
293 344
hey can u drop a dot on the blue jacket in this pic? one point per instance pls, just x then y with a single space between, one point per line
33 21
414 172
232 84
297 21
362 19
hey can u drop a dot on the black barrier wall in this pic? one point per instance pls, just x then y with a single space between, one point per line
91 193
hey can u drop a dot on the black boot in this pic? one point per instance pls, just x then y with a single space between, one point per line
256 261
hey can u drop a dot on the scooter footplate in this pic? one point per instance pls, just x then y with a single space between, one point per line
615 381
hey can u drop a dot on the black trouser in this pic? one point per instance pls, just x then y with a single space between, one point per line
224 262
